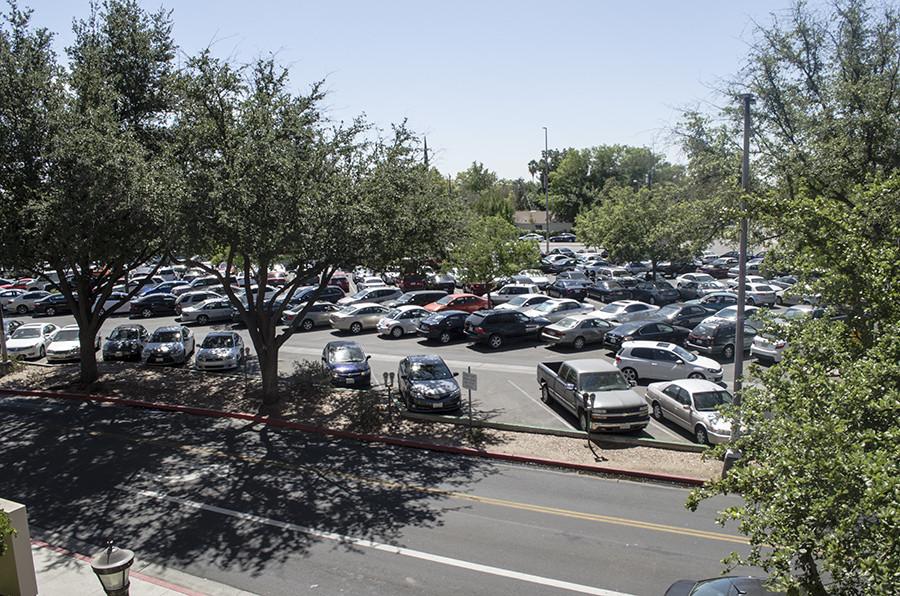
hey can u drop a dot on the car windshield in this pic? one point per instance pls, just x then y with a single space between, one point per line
123 334
218 341
611 285
669 309
428 371
793 314
568 323
66 335
663 285
708 401
612 308
684 354
361 294
347 354
394 313
545 306
446 299
602 381
518 301
165 337
26 333
405 298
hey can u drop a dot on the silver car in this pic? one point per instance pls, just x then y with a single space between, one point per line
65 345
318 314
220 350
400 321
356 317
692 404
215 309
760 294
7 296
24 303
523 302
375 295
577 331
558 309
194 298
623 311
169 345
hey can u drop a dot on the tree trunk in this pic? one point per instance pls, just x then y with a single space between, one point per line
268 368
87 354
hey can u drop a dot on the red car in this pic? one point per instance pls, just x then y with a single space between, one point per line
340 280
463 302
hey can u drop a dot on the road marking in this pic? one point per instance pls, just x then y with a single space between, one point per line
539 402
380 546
505 503
657 424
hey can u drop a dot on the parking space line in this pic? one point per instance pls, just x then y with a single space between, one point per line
656 424
539 402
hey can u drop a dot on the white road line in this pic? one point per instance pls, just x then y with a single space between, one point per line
388 548
665 429
539 402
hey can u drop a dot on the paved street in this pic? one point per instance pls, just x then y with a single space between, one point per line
281 512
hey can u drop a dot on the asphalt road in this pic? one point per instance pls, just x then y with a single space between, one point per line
281 512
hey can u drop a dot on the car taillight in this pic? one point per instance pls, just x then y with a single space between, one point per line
479 330
618 359
627 338
780 343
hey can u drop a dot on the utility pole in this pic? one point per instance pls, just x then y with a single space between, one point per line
426 152
547 189
732 453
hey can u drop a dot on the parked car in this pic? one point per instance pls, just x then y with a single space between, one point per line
692 404
214 309
125 342
645 330
411 282
664 362
169 345
719 268
558 309
607 290
655 292
442 281
523 302
694 290
557 263
622 311
465 302
752 268
116 303
510 291
9 327
729 313
338 280
575 289
400 321
564 237
372 281
347 364
375 295
318 314
611 272
674 268
498 327
333 294
768 346
30 340
595 393
577 331
532 237
65 345
220 350
443 326
166 287
682 315
726 586
694 276
426 384
759 294
194 298
532 276
357 317
716 301
716 337
153 305
24 303
416 298
635 267
7 295
52 305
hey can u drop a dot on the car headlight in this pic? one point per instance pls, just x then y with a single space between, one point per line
715 371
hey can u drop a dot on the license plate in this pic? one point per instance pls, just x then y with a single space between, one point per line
157 359
118 354
436 405
351 380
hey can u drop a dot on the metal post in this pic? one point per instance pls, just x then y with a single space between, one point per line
732 454
426 152
3 354
547 190
469 369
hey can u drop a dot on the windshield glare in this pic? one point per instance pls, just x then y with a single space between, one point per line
684 354
602 381
709 401
446 299
26 333
218 341
66 335
347 354
545 306
568 323
122 334
612 308
166 337
392 314
429 371
518 301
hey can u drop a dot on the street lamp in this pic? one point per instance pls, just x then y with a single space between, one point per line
111 566
547 189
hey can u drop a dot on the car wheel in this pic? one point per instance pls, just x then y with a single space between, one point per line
356 328
147 313
202 320
495 341
728 352
545 394
657 411
584 421
307 325
21 309
696 375
397 332
578 344
700 435
445 337
51 311
751 301
630 375
779 300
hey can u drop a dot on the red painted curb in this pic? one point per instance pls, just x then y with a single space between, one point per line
364 437
131 574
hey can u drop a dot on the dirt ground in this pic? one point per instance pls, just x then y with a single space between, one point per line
309 398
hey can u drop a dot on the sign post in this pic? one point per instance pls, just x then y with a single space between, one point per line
470 382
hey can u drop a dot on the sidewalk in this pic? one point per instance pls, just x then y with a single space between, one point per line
64 572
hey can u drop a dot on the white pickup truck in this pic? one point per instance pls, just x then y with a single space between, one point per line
595 392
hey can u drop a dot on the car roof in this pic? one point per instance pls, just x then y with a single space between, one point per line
449 313
420 292
134 326
342 343
221 334
624 302
359 305
644 343
33 325
696 385
407 307
590 365
72 326
168 328
426 358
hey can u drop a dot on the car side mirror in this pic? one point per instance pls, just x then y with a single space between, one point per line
367 357
456 374
679 361
570 386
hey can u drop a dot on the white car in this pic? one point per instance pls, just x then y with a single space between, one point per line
510 291
370 281
400 321
729 313
116 303
220 350
770 348
7 296
558 309
692 404
532 236
760 294
664 361
681 279
622 311
30 340
64 345
532 276
24 303
523 302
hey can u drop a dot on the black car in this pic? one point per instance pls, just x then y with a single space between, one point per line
655 292
574 274
716 301
719 268
443 326
717 338
497 327
628 282
724 586
347 364
675 268
681 315
153 305
126 342
426 384
645 330
328 294
568 288
416 298
607 290
564 237
52 305
558 265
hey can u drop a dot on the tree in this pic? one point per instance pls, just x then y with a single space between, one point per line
491 202
491 249
86 169
270 181
475 180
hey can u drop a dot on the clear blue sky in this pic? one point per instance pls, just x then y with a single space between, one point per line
480 79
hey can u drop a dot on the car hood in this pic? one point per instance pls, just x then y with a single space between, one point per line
63 346
218 352
617 398
122 344
435 388
704 362
350 367
26 342
162 347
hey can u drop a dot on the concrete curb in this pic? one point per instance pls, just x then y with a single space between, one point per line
363 437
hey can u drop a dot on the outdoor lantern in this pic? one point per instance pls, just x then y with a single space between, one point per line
111 566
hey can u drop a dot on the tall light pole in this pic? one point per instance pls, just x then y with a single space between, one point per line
732 454
547 189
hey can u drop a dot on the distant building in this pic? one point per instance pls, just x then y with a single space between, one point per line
535 221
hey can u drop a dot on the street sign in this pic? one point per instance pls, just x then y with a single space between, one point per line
470 381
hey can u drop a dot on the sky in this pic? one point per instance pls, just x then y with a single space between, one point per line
481 79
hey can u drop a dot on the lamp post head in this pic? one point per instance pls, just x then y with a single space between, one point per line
111 566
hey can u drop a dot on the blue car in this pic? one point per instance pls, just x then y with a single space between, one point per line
165 287
347 364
